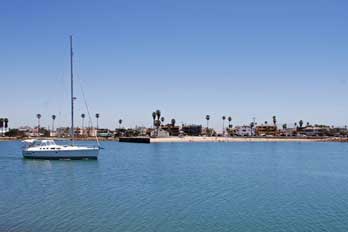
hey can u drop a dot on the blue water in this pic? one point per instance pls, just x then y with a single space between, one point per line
179 187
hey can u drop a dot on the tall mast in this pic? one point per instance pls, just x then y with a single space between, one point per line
72 92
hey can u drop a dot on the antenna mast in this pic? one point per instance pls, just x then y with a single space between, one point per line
72 92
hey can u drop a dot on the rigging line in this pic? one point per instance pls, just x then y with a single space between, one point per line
86 105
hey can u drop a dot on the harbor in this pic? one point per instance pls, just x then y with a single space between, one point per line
174 116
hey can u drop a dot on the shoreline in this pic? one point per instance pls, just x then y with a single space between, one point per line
202 139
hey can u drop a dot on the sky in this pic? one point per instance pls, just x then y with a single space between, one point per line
188 58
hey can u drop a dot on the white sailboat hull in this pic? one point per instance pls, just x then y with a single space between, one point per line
73 153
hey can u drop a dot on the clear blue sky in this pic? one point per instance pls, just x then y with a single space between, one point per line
187 58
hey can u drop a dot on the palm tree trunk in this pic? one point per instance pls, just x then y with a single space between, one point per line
38 127
223 127
83 125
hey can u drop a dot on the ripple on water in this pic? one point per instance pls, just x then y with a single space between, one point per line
179 187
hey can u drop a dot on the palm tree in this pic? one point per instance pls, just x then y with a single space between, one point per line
119 123
6 123
83 123
2 125
157 125
53 118
223 124
252 124
300 123
274 120
38 116
229 121
266 122
158 114
97 116
154 117
207 117
162 119
308 124
173 122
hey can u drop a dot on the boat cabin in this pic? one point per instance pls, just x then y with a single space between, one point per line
39 143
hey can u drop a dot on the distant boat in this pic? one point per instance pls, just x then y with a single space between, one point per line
48 149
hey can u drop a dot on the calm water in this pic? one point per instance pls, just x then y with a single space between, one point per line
179 187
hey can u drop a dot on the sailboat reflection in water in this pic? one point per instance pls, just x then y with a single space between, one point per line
48 149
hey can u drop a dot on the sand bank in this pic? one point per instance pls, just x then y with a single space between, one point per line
233 139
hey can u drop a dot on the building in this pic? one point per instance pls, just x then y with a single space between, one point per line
288 132
316 131
83 132
91 132
266 130
244 131
141 130
172 130
26 131
53 134
160 133
192 130
63 132
339 131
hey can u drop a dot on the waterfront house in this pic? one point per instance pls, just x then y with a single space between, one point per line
288 132
142 131
244 131
172 130
316 131
159 133
53 134
266 130
63 132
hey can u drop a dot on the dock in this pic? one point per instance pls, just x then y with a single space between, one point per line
134 140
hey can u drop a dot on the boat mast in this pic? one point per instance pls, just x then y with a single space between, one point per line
72 92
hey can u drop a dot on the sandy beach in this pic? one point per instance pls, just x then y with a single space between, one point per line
235 139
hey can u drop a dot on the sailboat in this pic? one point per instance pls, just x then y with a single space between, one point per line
48 149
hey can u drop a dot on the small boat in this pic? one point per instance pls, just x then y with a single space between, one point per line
48 149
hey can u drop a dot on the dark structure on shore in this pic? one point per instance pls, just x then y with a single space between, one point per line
134 140
192 130
172 130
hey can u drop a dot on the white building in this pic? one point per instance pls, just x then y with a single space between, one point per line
244 131
160 133
316 131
